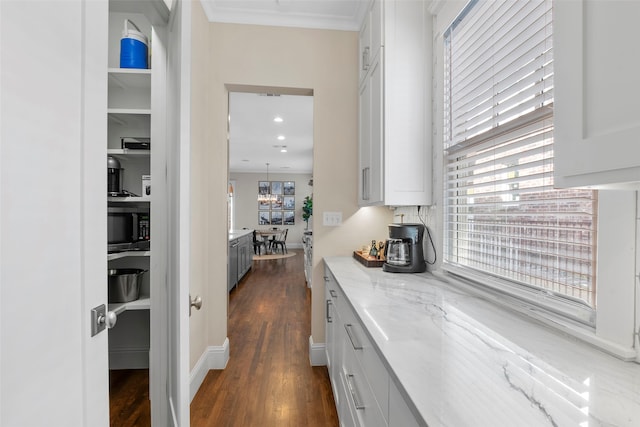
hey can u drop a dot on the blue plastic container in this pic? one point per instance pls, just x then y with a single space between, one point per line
134 51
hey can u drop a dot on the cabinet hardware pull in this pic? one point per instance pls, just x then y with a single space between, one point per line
326 278
365 59
333 293
354 394
329 319
365 183
354 342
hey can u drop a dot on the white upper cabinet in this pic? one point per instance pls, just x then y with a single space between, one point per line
370 37
597 93
395 105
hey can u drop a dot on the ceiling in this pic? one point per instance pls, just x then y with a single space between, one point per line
253 134
321 14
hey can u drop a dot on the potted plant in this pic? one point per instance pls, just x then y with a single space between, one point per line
307 209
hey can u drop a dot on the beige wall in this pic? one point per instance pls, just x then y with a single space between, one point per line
245 194
323 61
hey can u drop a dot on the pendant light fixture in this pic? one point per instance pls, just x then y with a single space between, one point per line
267 197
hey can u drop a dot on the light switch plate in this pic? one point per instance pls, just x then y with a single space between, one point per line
332 219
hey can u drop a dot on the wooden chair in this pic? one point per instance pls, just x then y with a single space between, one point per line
281 241
257 243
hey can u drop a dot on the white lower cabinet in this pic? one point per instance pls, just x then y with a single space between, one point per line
359 396
364 393
399 413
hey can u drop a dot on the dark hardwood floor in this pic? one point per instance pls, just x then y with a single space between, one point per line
129 398
268 381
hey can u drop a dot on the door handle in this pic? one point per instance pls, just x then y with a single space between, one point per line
196 302
102 319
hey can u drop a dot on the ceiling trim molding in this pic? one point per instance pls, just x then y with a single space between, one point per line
282 19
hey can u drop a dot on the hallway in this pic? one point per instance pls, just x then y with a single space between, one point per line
268 380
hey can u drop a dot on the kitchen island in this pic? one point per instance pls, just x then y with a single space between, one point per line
240 256
456 359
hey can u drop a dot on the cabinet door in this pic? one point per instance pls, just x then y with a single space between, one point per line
371 131
596 93
407 108
364 44
365 143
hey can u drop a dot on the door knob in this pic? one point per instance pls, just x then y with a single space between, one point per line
109 319
102 319
196 302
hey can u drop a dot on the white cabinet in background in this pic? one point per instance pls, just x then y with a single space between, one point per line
395 105
596 93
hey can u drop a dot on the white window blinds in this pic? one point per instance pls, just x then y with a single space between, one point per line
501 61
502 214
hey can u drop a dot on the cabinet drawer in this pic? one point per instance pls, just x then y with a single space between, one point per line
370 363
358 393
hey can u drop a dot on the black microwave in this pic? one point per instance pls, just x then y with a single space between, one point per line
128 228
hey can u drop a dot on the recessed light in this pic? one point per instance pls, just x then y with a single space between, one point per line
278 119
284 150
281 138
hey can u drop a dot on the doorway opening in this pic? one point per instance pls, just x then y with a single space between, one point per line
271 153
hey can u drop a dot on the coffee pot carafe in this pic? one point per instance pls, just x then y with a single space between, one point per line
403 250
397 252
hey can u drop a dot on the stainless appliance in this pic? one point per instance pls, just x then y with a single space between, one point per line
403 251
113 177
128 229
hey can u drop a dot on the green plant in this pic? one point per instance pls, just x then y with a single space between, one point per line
307 208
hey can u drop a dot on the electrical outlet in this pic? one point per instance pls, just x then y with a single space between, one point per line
332 219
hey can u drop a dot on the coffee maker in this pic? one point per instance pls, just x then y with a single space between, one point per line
113 177
403 251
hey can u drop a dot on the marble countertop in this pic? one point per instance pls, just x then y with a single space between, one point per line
236 234
463 361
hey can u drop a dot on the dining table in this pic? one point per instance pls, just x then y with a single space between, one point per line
266 235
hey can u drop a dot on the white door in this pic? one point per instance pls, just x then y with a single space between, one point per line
52 213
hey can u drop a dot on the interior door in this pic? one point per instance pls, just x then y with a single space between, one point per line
52 212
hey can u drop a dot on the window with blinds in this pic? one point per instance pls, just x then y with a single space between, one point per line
503 217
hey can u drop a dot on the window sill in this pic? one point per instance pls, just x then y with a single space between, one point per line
547 317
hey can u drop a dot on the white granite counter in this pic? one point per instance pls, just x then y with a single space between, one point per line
464 361
236 234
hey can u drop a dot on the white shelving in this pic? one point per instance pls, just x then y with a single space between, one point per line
125 152
128 199
142 303
119 255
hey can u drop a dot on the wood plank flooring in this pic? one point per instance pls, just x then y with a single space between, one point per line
268 381
129 398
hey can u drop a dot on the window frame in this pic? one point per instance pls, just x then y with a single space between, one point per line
555 303
617 255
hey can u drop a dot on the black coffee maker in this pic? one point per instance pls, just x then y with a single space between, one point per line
403 251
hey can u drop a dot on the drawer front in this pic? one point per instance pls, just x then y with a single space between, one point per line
370 363
358 394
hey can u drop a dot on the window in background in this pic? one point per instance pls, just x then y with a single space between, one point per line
504 221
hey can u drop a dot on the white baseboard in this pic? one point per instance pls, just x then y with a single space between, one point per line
317 354
129 358
214 357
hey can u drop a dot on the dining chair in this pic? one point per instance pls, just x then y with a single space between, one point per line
281 241
257 243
